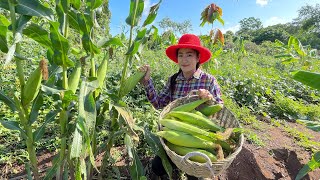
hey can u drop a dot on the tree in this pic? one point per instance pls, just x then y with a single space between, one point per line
250 23
177 28
270 33
248 26
309 17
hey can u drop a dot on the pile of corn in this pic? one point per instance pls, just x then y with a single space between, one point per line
186 129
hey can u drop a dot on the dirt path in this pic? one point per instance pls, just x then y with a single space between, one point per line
280 158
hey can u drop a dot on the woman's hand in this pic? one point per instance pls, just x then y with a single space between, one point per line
145 68
205 94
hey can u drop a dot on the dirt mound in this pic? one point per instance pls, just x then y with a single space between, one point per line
280 158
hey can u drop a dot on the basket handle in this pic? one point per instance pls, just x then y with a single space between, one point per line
207 164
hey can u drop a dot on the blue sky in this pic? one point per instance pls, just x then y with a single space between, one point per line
270 12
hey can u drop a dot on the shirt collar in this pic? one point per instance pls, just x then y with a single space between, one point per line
196 75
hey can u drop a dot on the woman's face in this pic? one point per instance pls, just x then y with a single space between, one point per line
187 60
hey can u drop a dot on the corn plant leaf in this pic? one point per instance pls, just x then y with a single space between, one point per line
88 45
129 145
51 90
36 105
128 119
93 4
3 39
313 164
136 9
76 145
73 20
105 42
152 14
12 125
134 48
136 167
30 8
60 43
156 147
75 3
37 135
8 101
38 34
308 78
53 169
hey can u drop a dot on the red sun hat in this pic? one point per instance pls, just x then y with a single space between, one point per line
189 41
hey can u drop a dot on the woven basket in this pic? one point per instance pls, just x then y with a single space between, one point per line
210 169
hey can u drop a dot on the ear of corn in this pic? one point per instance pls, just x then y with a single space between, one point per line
131 82
198 112
189 106
185 150
102 71
194 119
31 89
73 80
211 109
184 139
187 128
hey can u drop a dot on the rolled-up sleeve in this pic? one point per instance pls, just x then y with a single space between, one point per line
157 100
215 91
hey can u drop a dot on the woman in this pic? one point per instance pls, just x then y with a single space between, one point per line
189 55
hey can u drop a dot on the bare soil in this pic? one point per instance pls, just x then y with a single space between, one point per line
281 158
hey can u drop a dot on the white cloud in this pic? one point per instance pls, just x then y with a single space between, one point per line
232 28
262 2
146 8
274 20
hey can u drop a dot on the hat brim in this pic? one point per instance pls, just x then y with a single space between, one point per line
204 53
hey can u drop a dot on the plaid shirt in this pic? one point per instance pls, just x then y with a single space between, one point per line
199 80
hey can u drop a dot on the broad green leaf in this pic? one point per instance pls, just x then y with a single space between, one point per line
3 39
30 8
313 164
136 167
76 145
53 169
12 125
8 101
65 5
37 135
4 21
314 125
51 90
38 34
58 41
308 78
75 3
152 14
88 44
73 20
127 116
36 105
21 23
136 9
95 4
112 41
129 145
156 147
134 48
